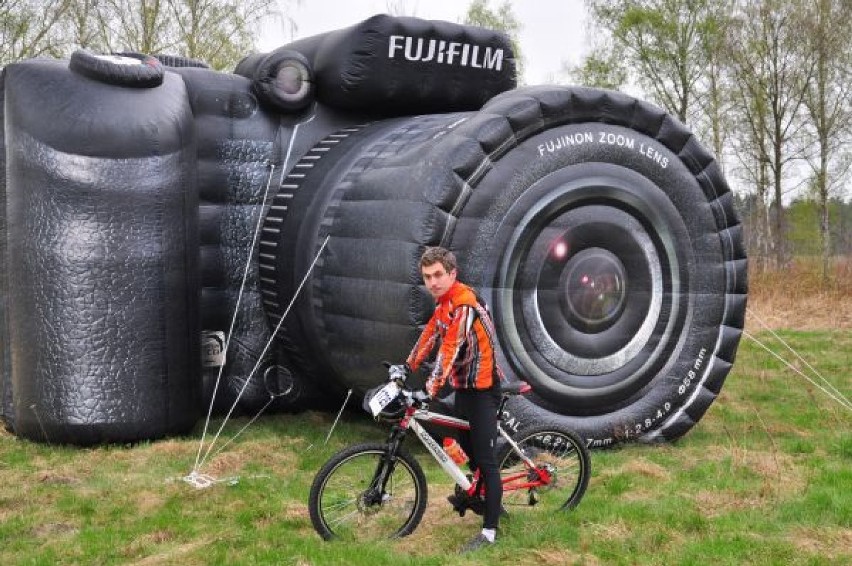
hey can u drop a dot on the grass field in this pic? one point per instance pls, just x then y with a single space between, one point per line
764 478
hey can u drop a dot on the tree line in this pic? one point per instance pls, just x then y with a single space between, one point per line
218 32
766 84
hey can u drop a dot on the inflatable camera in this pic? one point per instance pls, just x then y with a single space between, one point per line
137 189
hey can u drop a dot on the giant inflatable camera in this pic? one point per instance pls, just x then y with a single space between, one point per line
155 208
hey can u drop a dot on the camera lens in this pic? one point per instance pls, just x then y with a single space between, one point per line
595 287
289 79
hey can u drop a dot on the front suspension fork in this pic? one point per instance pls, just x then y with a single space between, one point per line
386 465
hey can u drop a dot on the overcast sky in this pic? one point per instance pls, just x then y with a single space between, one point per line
553 30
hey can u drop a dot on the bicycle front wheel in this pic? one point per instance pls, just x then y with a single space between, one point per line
361 494
556 451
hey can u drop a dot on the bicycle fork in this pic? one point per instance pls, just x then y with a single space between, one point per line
375 495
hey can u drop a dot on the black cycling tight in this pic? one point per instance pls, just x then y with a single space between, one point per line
480 409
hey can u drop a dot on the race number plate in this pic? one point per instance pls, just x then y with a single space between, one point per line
384 397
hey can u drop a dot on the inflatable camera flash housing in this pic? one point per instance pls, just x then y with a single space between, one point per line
599 231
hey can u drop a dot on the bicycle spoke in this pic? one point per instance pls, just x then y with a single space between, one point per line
373 513
561 471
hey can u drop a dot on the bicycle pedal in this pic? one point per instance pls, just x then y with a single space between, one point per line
462 503
458 505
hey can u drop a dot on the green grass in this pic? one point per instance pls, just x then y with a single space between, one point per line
764 478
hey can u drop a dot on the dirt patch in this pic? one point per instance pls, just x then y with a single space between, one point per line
441 527
54 530
781 476
170 555
160 536
294 510
642 467
637 467
227 463
262 454
173 448
827 542
716 503
147 501
781 479
56 479
617 530
561 556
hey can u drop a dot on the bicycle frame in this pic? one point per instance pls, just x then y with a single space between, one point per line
531 477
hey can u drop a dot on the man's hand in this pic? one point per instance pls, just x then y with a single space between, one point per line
421 397
398 372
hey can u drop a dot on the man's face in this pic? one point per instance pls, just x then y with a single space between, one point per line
437 280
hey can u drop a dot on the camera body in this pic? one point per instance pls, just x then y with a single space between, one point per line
147 217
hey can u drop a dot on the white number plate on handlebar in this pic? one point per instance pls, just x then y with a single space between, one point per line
384 397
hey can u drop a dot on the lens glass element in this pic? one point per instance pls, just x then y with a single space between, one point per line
595 287
289 80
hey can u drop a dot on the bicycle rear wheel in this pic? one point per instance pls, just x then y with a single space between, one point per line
360 494
558 451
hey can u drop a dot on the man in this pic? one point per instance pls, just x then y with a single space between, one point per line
466 357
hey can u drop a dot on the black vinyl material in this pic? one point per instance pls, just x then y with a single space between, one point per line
598 229
7 411
147 73
597 169
239 157
401 65
103 304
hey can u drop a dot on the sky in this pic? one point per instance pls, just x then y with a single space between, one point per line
553 30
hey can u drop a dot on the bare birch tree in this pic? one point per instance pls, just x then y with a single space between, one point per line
771 73
26 28
219 32
828 102
662 45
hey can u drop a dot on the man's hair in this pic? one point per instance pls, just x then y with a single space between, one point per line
440 255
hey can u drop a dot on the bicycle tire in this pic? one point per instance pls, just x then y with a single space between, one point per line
555 446
356 518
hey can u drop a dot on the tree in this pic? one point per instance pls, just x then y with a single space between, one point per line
662 45
401 8
828 103
603 67
144 26
81 28
771 73
219 32
715 102
671 50
503 19
25 28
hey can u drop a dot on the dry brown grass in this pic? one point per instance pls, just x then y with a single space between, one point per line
829 542
797 298
173 555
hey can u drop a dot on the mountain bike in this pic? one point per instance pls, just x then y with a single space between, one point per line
378 490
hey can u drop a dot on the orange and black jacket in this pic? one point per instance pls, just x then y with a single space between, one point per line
466 334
